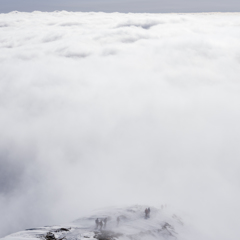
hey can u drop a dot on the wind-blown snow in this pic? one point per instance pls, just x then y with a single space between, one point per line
127 223
103 109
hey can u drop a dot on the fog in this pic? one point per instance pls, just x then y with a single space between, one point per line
109 109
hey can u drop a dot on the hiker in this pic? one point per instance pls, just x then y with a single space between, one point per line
118 220
146 213
105 222
149 212
101 225
97 223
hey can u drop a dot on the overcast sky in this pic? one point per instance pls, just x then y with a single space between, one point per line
121 5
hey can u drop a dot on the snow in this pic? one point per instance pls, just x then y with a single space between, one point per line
132 225
104 109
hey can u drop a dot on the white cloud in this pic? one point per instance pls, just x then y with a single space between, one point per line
102 109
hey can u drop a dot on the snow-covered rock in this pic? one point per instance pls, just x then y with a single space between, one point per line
132 225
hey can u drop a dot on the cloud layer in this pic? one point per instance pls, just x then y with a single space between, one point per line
104 109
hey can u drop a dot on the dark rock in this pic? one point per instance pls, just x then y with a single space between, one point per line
107 235
50 236
62 230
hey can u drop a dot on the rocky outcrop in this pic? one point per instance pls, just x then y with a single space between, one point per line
107 235
122 223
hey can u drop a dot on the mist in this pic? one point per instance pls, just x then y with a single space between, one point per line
110 109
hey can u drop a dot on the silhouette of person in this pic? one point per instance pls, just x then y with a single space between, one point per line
97 223
101 225
146 213
105 222
149 212
118 220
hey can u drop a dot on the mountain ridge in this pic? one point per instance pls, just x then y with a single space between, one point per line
122 223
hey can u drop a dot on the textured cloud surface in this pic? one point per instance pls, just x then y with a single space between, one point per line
105 109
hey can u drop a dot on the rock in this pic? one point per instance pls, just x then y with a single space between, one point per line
50 236
63 230
107 235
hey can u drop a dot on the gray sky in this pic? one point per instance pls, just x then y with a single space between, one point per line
121 5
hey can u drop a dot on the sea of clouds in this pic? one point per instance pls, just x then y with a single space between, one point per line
104 109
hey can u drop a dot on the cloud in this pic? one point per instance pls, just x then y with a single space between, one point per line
2 24
95 115
51 38
67 24
147 24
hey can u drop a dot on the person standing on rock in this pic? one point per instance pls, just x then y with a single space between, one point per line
97 223
146 213
101 224
149 212
105 222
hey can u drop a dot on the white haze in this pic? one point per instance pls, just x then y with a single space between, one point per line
104 109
